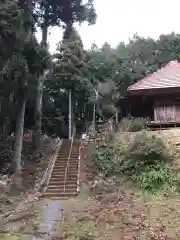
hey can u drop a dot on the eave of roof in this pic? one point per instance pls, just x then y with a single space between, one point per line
166 77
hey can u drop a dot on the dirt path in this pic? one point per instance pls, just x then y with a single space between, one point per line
51 214
48 217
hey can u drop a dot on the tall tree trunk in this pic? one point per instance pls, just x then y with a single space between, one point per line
38 112
70 114
27 6
39 90
19 135
44 34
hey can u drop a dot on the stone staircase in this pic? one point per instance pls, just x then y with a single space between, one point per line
63 182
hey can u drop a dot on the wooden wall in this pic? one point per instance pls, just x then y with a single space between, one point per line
166 111
178 113
157 108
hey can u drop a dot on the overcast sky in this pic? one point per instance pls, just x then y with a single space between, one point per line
118 20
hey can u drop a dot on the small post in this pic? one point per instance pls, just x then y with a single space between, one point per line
94 109
94 117
70 117
117 118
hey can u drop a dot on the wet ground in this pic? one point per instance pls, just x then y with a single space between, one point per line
51 213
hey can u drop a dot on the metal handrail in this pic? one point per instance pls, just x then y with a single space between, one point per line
69 156
79 158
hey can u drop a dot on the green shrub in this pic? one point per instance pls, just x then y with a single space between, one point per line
6 154
105 158
132 124
145 151
147 161
157 177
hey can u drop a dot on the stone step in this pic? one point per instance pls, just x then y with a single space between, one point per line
67 154
59 163
65 159
61 177
66 151
58 177
67 171
55 195
59 167
61 183
69 166
60 186
57 198
62 173
61 190
59 180
64 169
74 151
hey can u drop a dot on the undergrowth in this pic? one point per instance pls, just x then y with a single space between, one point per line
145 160
132 124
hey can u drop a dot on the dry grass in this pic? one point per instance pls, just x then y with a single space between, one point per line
24 219
122 215
15 237
171 139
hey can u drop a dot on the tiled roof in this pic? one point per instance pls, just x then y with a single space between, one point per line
166 77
